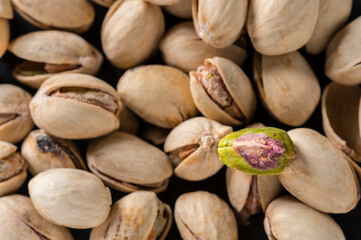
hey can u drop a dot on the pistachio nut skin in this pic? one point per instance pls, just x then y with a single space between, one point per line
4 35
257 151
181 9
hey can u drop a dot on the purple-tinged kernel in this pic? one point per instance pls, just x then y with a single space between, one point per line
259 150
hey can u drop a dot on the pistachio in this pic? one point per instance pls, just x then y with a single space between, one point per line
70 15
76 106
6 10
128 121
260 151
4 35
163 2
158 94
116 159
182 9
155 135
104 3
131 31
55 191
138 215
182 48
288 87
50 53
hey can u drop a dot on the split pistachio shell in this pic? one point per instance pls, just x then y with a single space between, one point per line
340 118
158 94
50 53
182 9
128 121
6 10
118 161
131 31
237 86
15 119
104 3
43 151
4 35
202 135
332 15
288 87
138 215
320 174
343 55
70 15
219 23
286 218
281 26
182 48
20 220
203 215
76 106
70 197
163 2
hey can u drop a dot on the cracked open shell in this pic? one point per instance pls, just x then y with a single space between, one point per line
192 147
182 9
50 53
320 175
138 215
127 163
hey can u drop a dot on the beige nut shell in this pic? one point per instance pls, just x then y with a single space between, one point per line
104 3
4 35
163 2
6 10
182 9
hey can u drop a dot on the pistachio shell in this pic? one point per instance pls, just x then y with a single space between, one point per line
288 87
340 106
286 218
131 31
4 35
6 149
128 121
70 197
71 15
158 94
6 10
134 217
163 2
203 215
269 187
182 9
182 48
104 3
281 26
155 135
116 159
320 174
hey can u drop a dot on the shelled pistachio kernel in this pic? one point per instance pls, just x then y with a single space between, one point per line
259 151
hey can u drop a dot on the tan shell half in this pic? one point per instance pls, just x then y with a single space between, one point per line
6 10
70 15
14 109
131 32
283 26
320 174
343 55
332 15
134 217
203 162
70 197
20 220
287 218
288 87
127 163
203 215
104 3
128 121
181 9
182 48
340 118
4 35
155 135
71 119
54 47
158 94
163 2
238 85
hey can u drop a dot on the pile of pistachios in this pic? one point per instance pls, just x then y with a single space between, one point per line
179 119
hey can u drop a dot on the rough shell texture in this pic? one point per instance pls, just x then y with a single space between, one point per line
343 55
288 87
6 10
320 174
182 48
18 212
158 94
131 31
163 2
4 35
71 15
182 9
286 218
54 192
132 217
281 26
203 215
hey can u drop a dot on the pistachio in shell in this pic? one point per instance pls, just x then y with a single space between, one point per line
155 135
6 10
70 15
183 49
287 218
192 147
104 3
128 121
4 35
127 163
181 9
222 92
50 53
320 174
138 215
288 87
163 2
